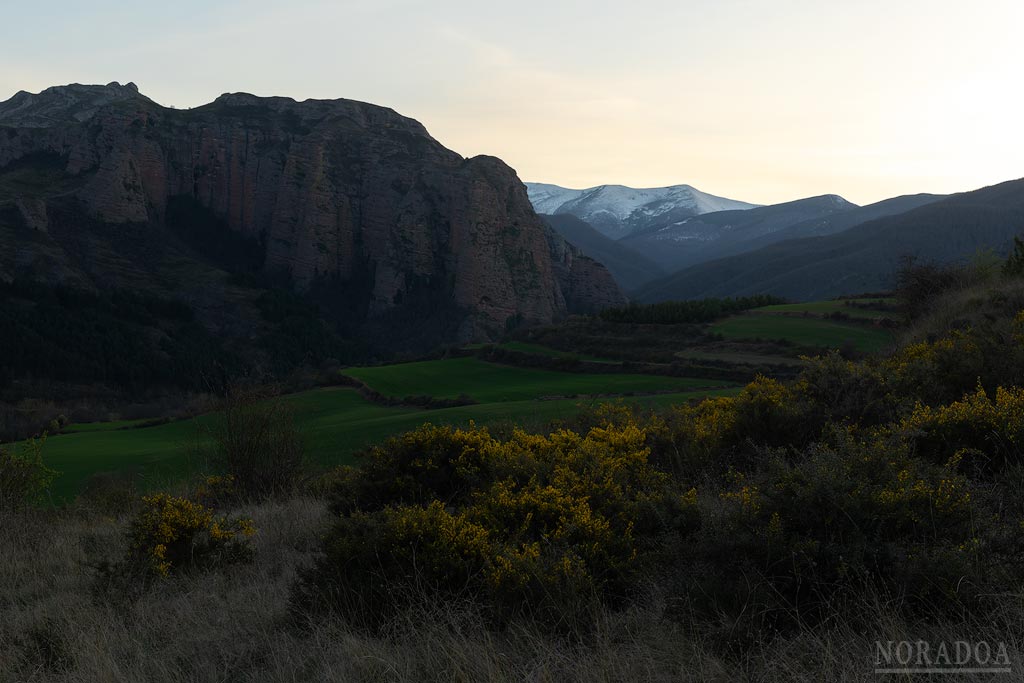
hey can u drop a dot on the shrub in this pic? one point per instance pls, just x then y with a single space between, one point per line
257 443
24 479
942 370
982 435
441 463
845 517
542 524
843 391
723 432
171 535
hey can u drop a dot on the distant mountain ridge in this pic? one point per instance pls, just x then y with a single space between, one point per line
861 258
712 235
844 220
617 211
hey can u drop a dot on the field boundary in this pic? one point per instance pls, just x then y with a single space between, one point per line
710 369
424 402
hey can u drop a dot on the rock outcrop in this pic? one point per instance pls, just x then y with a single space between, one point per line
345 197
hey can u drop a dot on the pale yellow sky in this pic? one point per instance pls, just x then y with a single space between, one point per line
754 100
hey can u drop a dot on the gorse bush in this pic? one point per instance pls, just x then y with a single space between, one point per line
24 479
542 524
980 433
728 432
171 535
844 516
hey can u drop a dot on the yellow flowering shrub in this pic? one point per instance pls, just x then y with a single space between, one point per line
544 523
724 432
987 433
429 463
171 534
943 370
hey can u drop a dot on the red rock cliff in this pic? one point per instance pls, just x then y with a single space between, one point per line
336 191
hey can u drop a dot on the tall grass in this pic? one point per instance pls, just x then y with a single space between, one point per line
237 627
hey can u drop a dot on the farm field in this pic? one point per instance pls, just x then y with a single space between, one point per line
538 349
338 422
489 382
805 331
738 357
822 308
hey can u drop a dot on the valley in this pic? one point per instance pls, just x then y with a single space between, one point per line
290 390
529 385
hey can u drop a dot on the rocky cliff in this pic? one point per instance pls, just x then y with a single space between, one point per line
348 200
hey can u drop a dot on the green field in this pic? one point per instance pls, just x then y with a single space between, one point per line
537 349
489 382
810 331
739 357
337 422
822 308
103 426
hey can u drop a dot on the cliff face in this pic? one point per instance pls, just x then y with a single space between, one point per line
350 199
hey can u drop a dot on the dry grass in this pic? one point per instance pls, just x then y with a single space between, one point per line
973 305
234 626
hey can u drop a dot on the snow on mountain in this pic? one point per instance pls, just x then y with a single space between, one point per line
548 198
617 211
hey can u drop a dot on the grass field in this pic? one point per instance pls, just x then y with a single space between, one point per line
822 308
537 349
103 426
489 382
739 357
809 331
337 422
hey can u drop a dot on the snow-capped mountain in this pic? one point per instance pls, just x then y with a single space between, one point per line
618 211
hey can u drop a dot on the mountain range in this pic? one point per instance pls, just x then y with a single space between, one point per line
863 257
710 235
809 248
617 211
397 240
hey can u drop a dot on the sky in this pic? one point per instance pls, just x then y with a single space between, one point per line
749 99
